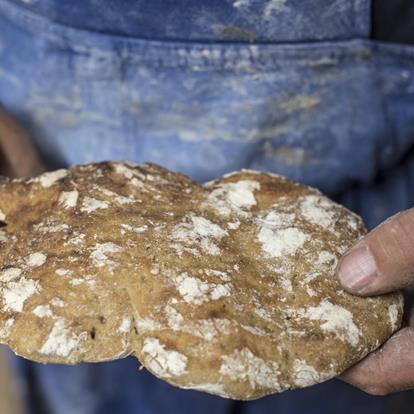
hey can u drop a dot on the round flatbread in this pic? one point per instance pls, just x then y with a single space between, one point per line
239 295
227 287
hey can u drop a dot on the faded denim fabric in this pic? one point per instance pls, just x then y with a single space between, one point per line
312 98
217 20
326 113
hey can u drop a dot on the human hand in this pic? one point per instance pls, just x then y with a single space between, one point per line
18 155
383 261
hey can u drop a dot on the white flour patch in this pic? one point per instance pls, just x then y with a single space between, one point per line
197 233
218 291
146 324
78 239
218 273
305 375
353 222
61 341
36 259
91 204
91 280
393 316
77 281
277 242
254 330
309 277
234 225
175 319
127 172
126 200
57 302
2 215
196 291
243 365
125 325
69 199
48 179
139 184
275 219
335 319
100 251
317 210
135 229
63 272
208 329
163 362
53 228
16 292
286 283
42 311
118 197
216 389
10 274
88 280
261 313
204 328
234 197
5 329
327 258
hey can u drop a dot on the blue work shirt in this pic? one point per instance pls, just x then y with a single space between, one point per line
204 88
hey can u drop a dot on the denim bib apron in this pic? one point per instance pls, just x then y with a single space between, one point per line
287 86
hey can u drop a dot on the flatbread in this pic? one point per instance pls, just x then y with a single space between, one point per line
240 297
227 287
71 239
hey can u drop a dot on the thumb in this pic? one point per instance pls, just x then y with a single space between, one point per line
387 370
383 261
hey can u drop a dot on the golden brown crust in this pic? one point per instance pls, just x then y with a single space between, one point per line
70 240
228 287
243 295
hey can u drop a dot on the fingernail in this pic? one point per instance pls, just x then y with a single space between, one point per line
357 269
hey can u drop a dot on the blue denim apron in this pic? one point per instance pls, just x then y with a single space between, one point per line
287 86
